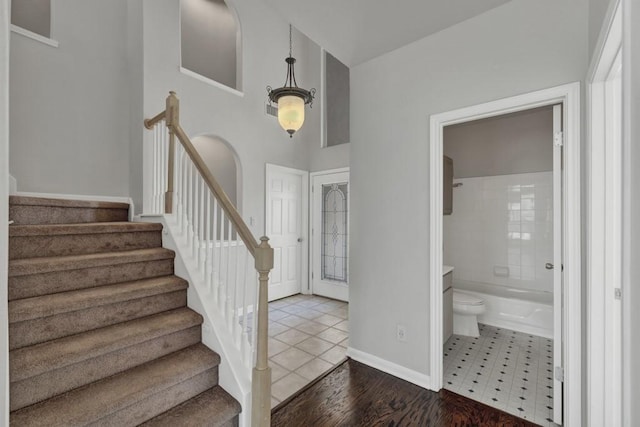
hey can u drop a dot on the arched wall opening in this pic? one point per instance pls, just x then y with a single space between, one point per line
224 164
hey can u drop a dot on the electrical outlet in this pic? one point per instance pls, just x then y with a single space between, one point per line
401 333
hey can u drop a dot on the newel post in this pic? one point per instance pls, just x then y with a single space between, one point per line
261 382
172 118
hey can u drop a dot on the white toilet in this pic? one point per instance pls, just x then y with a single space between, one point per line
466 308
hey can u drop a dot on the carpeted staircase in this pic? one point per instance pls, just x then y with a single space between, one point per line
99 330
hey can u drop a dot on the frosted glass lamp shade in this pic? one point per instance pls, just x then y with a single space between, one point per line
291 113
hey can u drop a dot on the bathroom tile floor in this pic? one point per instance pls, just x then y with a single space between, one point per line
508 370
308 335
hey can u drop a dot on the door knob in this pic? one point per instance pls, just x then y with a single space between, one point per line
548 266
299 239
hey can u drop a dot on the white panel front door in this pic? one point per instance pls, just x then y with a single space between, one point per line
284 227
330 235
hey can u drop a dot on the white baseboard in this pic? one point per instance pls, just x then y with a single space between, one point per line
390 368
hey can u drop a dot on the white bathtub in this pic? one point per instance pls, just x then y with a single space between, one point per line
520 310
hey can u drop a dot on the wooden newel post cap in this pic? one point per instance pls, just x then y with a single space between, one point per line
264 256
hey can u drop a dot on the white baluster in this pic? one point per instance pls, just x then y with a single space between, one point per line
228 282
245 327
214 249
220 265
201 256
207 241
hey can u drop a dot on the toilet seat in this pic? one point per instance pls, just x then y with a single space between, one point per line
463 298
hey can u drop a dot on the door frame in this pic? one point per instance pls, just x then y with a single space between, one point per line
569 96
311 217
604 236
304 226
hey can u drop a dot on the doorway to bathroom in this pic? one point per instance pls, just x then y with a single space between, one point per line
512 238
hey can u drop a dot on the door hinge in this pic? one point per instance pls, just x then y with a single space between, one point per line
559 373
618 293
558 139
312 275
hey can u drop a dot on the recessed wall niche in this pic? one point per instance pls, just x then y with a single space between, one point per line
337 99
210 40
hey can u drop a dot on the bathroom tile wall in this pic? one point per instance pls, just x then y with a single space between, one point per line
501 230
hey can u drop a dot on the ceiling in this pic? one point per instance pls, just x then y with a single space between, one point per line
355 31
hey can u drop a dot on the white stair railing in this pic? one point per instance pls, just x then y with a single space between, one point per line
227 256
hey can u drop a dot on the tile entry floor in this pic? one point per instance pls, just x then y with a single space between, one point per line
308 335
507 370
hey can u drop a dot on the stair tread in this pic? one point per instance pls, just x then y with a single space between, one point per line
212 408
65 203
64 302
81 228
34 360
23 267
102 398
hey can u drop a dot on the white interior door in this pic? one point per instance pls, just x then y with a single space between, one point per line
330 235
558 295
285 225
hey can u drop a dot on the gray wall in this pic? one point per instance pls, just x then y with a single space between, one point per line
32 15
597 12
519 47
240 120
631 264
208 34
69 112
515 143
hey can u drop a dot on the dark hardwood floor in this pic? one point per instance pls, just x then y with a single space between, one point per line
358 395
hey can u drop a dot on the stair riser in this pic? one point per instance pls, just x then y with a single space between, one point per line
28 214
78 244
158 403
44 386
29 332
61 281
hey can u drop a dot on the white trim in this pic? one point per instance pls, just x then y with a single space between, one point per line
329 171
210 82
390 368
603 242
304 226
34 36
569 96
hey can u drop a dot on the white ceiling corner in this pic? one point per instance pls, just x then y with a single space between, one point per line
356 31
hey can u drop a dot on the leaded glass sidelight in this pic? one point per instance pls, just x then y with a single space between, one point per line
334 232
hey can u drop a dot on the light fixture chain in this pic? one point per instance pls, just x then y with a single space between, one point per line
290 42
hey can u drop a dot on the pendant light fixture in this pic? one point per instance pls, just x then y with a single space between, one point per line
290 98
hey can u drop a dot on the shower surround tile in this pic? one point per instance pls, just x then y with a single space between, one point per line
508 370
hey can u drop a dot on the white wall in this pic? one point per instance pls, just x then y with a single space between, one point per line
502 224
518 47
513 143
69 105
4 210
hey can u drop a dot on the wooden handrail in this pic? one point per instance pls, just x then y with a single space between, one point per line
261 252
150 123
